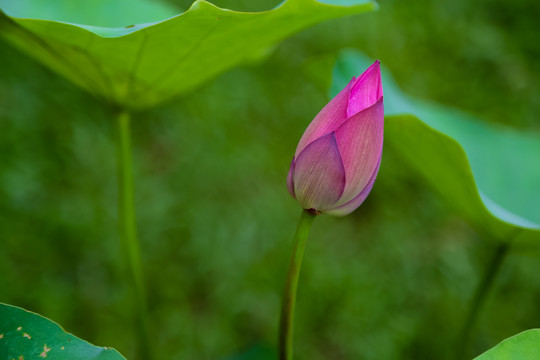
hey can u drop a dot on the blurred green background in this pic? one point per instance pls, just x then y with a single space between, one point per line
391 281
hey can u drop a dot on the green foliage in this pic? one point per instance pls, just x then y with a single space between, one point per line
143 65
524 346
502 160
214 214
26 335
215 223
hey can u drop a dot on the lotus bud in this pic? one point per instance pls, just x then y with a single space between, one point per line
338 157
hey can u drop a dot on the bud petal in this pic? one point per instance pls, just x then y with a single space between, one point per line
360 141
352 205
366 90
290 181
328 119
319 175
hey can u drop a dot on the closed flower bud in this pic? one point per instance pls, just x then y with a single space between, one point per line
338 157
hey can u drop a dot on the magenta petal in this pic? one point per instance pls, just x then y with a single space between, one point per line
319 175
366 91
360 141
328 119
290 181
352 205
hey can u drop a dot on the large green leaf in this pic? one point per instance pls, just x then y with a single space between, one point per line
523 346
106 13
142 65
490 174
26 335
442 161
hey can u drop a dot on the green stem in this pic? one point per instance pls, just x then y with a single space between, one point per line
128 227
286 324
480 296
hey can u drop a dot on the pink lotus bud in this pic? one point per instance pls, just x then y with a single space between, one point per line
338 157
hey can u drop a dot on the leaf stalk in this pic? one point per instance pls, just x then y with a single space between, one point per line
128 230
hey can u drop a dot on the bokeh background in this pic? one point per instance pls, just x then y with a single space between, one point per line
391 281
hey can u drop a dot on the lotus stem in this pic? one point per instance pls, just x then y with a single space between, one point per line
481 295
286 325
128 230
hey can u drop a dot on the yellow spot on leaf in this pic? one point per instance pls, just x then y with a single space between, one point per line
26 335
1 336
21 357
45 351
62 348
19 328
